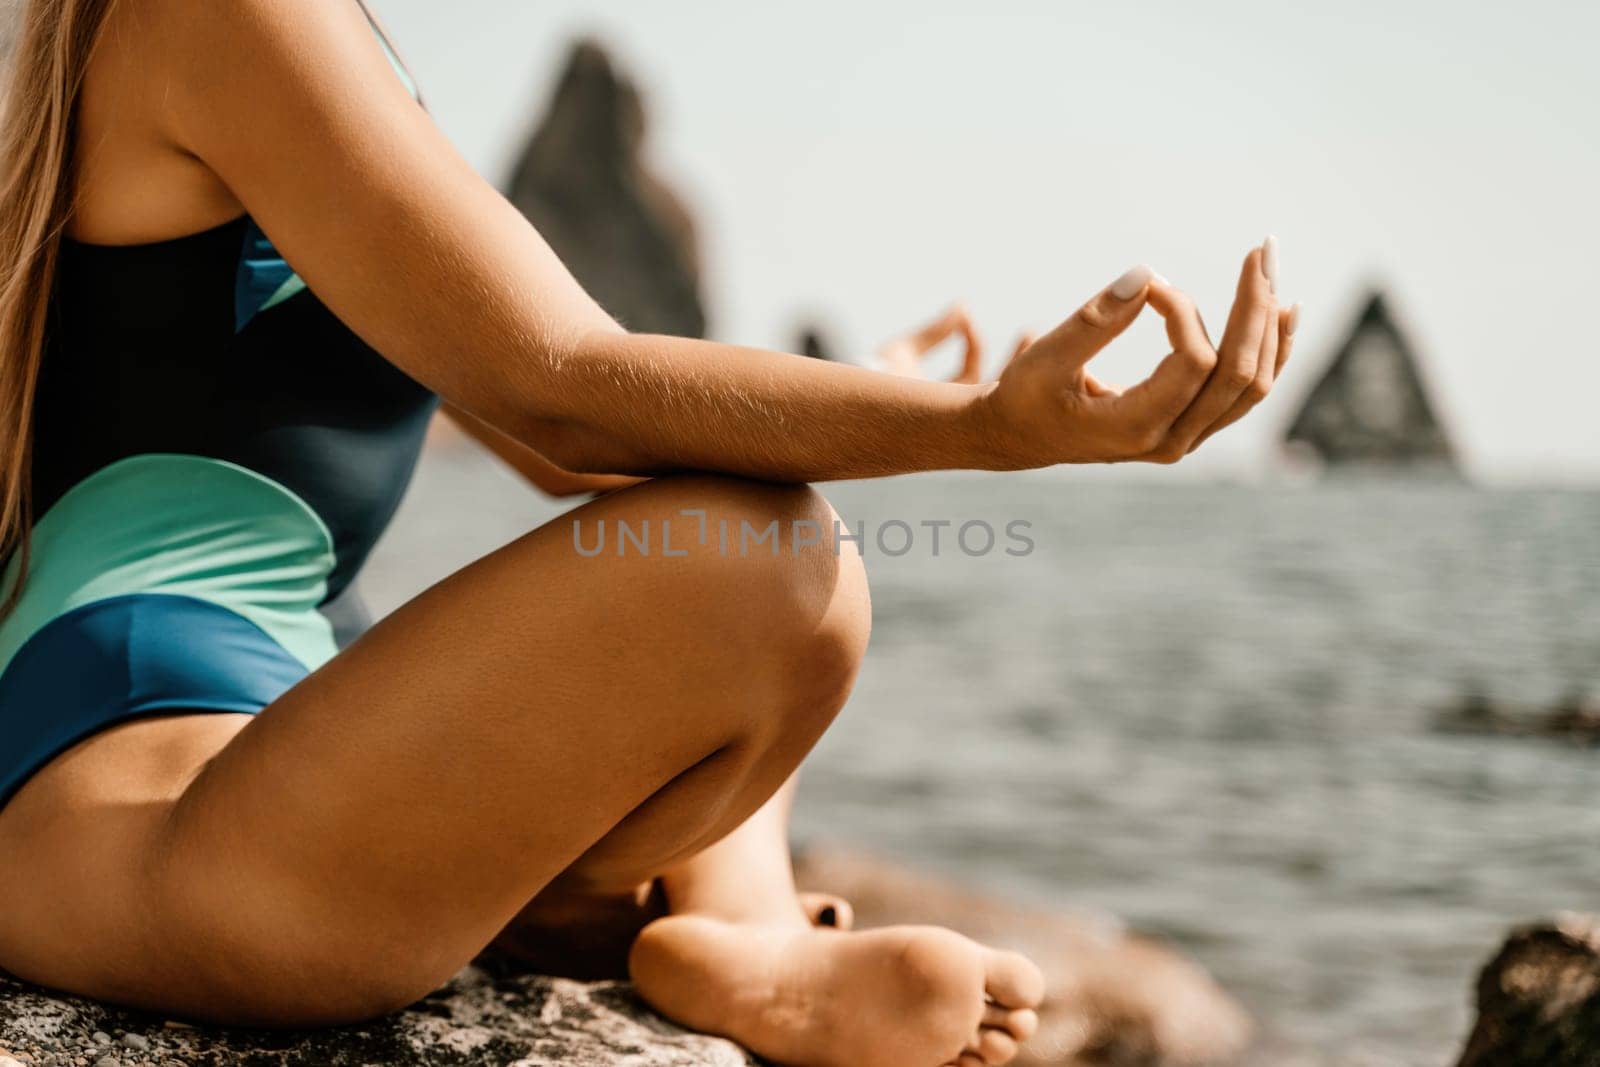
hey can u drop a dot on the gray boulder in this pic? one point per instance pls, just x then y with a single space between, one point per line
483 1017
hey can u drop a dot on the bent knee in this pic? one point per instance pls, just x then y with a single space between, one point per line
757 572
809 601
797 576
773 558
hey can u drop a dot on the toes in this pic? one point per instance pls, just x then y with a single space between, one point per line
825 909
969 1059
993 1046
1012 981
1020 1023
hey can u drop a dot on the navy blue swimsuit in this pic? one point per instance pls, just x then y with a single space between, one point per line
215 454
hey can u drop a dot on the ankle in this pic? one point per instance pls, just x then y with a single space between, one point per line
752 911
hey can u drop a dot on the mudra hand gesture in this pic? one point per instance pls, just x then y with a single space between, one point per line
1046 407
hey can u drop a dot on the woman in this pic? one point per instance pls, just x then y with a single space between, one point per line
220 815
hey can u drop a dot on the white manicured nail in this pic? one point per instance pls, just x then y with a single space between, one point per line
1294 321
1269 261
1160 278
1128 286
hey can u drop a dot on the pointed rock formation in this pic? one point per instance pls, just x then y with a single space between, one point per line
582 182
1372 404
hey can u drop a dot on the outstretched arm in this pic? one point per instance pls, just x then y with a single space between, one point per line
902 355
292 104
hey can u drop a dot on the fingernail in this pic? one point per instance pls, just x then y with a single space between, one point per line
1269 261
1294 320
1128 286
1159 278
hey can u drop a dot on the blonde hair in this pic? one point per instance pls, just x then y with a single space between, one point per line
50 49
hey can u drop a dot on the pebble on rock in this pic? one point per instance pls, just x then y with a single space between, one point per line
137 1042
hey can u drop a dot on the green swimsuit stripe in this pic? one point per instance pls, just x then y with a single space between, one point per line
184 526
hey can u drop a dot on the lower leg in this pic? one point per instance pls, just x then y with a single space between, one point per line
745 877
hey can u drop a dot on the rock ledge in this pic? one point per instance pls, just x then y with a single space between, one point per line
481 1017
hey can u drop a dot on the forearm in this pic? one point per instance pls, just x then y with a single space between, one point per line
647 404
527 460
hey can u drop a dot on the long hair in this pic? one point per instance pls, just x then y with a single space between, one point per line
50 49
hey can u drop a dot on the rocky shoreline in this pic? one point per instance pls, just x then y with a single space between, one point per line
1114 998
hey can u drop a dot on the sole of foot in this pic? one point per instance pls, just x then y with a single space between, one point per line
912 996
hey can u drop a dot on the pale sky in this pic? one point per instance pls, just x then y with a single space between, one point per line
870 161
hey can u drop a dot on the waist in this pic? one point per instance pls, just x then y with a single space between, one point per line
188 526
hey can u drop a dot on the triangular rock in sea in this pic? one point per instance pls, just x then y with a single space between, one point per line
1372 405
584 184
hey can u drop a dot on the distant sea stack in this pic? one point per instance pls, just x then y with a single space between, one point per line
583 183
813 342
1371 407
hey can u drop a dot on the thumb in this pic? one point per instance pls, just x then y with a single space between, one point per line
1106 315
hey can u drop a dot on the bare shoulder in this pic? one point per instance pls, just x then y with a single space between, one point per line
317 60
132 184
171 82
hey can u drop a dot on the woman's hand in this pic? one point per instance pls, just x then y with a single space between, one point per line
904 355
1047 407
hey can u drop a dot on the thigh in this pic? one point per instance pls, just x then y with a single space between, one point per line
76 849
392 812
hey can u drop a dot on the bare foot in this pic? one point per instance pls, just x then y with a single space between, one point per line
910 996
